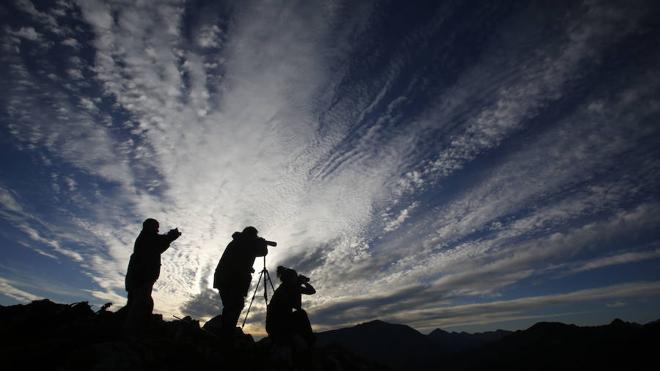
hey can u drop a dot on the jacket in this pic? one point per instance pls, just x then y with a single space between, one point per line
233 273
144 264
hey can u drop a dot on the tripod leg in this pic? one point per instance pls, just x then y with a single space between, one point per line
269 280
265 287
252 300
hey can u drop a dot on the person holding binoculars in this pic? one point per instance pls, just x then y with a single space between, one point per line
287 323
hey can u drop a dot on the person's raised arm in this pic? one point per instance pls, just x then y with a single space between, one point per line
164 240
307 289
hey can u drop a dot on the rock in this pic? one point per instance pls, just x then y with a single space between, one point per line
214 325
49 336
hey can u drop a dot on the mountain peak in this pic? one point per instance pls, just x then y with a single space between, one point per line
374 323
617 322
381 325
438 331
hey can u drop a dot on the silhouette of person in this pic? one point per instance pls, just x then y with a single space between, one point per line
143 272
234 273
286 322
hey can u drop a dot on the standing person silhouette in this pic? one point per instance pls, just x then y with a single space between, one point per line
143 272
286 322
234 273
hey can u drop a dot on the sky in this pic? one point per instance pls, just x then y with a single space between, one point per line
443 164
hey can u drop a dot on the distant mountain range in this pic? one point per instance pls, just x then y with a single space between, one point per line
401 346
544 346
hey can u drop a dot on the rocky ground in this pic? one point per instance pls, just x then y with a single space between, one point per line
44 335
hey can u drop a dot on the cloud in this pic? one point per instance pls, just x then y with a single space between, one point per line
616 304
38 284
54 244
75 73
204 305
8 201
403 215
209 37
514 84
549 168
14 212
480 313
48 20
17 294
67 133
446 315
28 33
521 258
624 258
71 42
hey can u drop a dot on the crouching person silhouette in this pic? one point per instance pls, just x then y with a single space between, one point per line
287 323
143 272
233 276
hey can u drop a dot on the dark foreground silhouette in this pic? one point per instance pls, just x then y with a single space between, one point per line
44 335
143 272
287 323
233 274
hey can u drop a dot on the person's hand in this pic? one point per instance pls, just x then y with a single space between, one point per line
174 233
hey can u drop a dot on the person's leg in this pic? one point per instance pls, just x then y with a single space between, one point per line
232 305
139 310
303 327
150 303
129 300
149 307
302 339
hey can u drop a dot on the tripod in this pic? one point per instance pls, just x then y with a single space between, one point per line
266 276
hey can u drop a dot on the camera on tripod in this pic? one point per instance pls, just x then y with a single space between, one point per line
267 243
271 243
